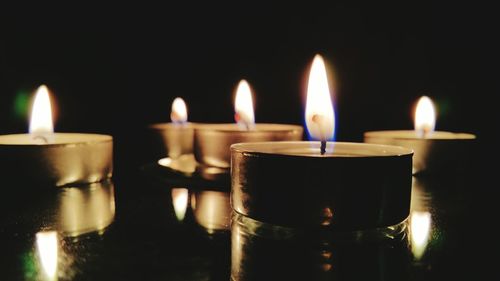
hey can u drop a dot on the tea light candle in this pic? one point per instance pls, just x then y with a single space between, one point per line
212 141
59 159
340 185
435 152
177 135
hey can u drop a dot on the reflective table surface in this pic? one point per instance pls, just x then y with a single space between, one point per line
153 223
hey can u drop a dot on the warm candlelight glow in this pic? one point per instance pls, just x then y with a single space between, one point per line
41 115
47 245
420 230
320 118
425 116
243 105
179 111
180 202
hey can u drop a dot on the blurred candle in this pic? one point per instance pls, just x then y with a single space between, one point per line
55 158
212 141
435 152
176 136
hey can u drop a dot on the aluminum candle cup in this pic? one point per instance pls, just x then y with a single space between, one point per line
212 141
176 139
357 186
438 152
69 158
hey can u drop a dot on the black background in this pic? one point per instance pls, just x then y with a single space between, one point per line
116 69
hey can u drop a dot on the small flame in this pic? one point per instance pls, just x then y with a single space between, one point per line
179 111
243 105
41 114
425 116
47 245
420 230
180 202
320 118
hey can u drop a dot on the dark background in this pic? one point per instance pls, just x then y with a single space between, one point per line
116 69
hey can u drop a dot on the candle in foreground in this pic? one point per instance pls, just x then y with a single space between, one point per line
435 152
339 185
43 156
212 141
177 135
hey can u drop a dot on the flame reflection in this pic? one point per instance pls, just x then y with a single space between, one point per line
47 248
180 198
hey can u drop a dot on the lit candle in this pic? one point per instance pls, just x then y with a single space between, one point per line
43 156
340 185
212 141
435 152
177 135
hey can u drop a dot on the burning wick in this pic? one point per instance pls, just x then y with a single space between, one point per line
424 131
317 119
174 115
240 120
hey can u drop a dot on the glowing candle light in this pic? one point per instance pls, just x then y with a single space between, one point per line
321 182
212 141
55 158
435 152
243 106
320 119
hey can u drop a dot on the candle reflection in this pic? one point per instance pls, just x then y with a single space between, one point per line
267 252
85 209
47 247
420 219
180 201
212 210
420 229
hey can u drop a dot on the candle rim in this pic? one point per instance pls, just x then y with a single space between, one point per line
258 127
266 148
90 138
413 135
167 125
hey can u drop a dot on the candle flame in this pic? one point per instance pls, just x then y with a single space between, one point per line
320 118
46 242
180 202
179 111
243 105
425 116
41 114
420 223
